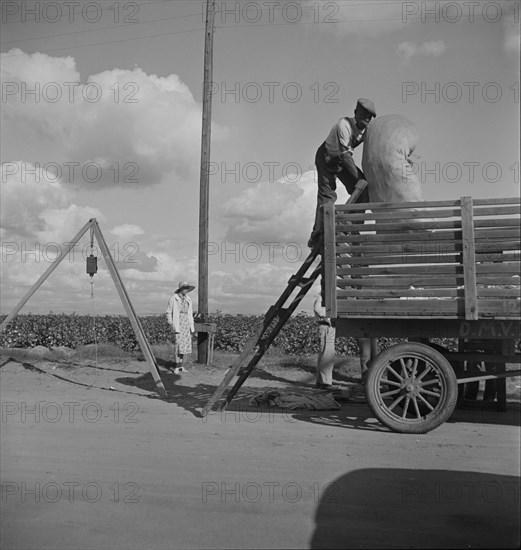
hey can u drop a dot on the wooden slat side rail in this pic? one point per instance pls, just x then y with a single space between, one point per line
421 213
341 209
498 233
511 268
507 234
411 214
451 307
400 248
498 291
493 249
436 261
485 269
496 210
421 282
493 228
329 260
404 282
401 292
400 226
422 258
428 204
412 287
399 259
404 270
426 257
387 292
498 280
426 237
384 225
507 200
486 226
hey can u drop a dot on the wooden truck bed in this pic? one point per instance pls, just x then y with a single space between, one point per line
455 259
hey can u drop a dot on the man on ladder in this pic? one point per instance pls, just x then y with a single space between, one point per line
334 159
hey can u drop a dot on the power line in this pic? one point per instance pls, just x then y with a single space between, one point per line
157 21
99 29
112 41
202 29
294 24
198 29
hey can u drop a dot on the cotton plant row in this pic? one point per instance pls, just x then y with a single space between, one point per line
297 337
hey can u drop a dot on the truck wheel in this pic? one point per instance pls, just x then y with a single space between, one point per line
411 388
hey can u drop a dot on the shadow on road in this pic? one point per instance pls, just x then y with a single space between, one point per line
407 508
194 398
351 415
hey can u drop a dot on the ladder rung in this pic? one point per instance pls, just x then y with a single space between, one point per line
271 309
293 279
301 282
272 313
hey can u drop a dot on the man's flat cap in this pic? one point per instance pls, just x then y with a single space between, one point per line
367 104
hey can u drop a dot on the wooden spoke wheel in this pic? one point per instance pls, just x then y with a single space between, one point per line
411 388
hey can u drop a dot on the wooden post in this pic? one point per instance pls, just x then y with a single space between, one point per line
202 338
329 260
469 259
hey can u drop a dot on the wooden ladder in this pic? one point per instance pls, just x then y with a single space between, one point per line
274 320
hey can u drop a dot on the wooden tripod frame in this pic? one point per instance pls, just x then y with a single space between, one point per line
92 224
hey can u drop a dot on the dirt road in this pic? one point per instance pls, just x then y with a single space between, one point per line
84 466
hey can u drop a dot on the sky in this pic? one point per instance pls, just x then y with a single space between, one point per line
101 115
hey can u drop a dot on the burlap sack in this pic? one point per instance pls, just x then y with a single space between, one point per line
386 163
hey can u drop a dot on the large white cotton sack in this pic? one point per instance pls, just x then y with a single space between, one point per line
388 144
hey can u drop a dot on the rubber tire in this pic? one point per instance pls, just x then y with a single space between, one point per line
458 367
449 388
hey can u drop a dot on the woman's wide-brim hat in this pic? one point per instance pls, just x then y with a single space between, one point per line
185 285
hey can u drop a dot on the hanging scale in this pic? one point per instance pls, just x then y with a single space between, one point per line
92 269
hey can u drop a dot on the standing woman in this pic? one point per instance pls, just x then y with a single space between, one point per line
180 316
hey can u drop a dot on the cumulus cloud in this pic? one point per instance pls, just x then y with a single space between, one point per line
127 230
35 204
281 211
38 220
266 229
160 134
116 128
119 127
407 50
248 288
263 245
371 19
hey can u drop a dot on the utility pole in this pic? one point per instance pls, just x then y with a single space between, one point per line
202 339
